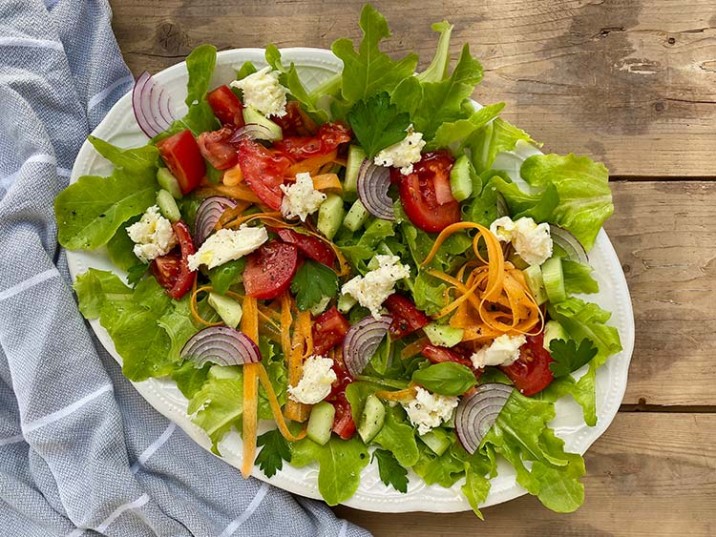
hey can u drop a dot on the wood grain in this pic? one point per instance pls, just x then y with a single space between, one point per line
630 82
650 475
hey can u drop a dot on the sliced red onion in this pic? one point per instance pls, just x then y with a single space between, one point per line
373 184
152 105
208 214
502 209
477 413
253 131
569 243
220 345
362 340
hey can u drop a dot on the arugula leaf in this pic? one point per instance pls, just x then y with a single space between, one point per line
446 378
585 199
462 129
377 123
275 450
226 275
398 437
578 277
569 357
438 68
136 160
390 471
340 463
357 392
445 470
368 71
312 283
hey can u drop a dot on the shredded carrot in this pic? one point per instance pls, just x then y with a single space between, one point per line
312 164
327 181
240 192
194 306
233 176
244 219
250 327
301 348
414 348
232 213
399 395
444 234
286 320
276 406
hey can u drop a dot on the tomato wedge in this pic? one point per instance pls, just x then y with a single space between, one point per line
327 139
406 317
329 329
425 193
215 148
343 424
226 106
264 171
181 154
270 269
311 247
295 122
172 270
531 373
438 354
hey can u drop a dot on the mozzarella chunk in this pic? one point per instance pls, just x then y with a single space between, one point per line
403 154
504 350
372 289
532 242
153 235
301 199
316 381
228 245
262 91
429 410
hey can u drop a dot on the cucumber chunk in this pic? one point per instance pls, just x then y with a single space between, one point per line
443 335
437 440
228 309
356 156
346 303
460 179
330 215
320 422
356 217
167 206
372 419
553 330
168 182
553 278
251 115
533 277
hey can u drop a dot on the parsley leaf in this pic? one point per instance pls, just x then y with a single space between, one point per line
391 473
312 283
568 357
275 451
377 123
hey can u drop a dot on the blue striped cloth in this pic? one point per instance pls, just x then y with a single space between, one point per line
81 453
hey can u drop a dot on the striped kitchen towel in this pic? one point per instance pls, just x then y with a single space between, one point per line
81 453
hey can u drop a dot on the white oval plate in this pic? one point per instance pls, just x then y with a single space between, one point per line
315 66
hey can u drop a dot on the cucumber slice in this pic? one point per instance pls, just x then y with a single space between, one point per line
251 115
356 217
533 277
224 372
461 179
168 182
228 309
320 422
553 330
553 278
346 303
168 206
443 335
356 156
330 215
372 419
437 440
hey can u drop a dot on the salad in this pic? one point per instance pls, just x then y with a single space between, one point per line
349 262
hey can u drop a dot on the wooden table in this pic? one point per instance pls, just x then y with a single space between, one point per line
632 83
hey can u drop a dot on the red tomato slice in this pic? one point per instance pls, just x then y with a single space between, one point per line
166 269
270 269
215 148
406 317
438 354
263 170
425 193
327 139
172 270
295 122
226 106
343 424
329 329
309 246
181 154
531 373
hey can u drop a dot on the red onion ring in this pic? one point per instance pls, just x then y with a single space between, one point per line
362 340
373 184
569 243
220 345
208 214
477 413
151 104
253 131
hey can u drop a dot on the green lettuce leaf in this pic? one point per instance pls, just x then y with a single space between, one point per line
585 199
136 160
578 278
461 129
121 248
440 64
190 378
445 470
539 207
494 138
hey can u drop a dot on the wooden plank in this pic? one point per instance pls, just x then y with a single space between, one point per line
650 475
630 82
664 235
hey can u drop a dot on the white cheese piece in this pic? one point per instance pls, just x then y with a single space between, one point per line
403 154
301 199
153 235
429 410
372 289
532 242
316 380
262 91
504 350
227 245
